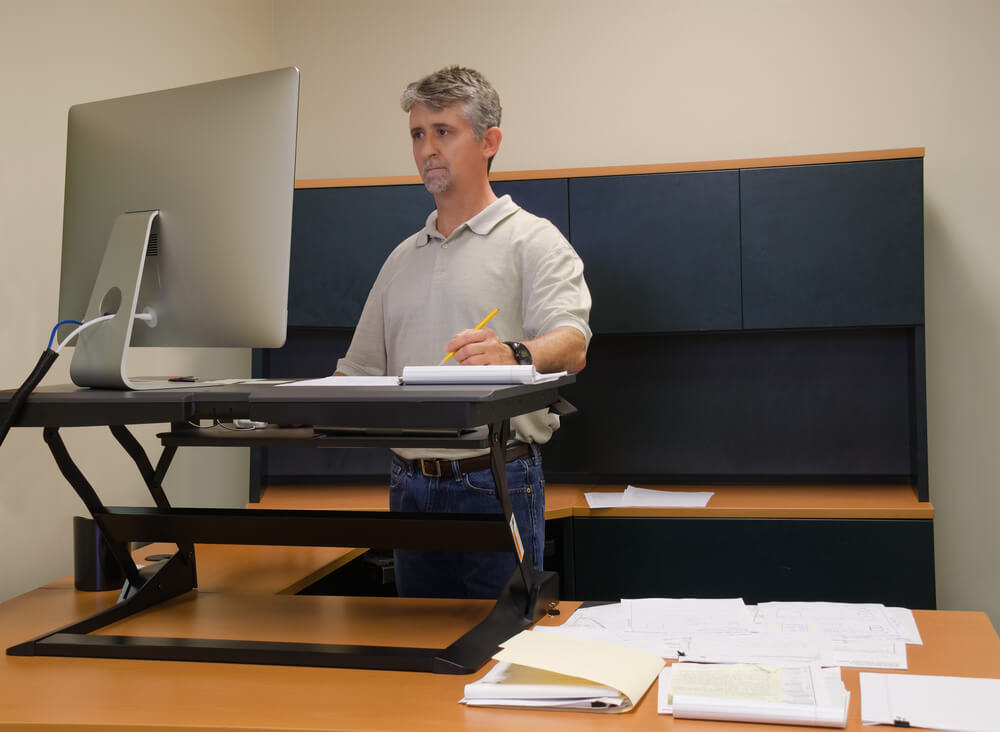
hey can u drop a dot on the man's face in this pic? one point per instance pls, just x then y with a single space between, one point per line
445 149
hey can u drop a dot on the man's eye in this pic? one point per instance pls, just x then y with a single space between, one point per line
442 132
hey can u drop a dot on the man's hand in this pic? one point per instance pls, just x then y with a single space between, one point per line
561 349
479 348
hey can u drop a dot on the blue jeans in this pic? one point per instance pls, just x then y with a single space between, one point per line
421 573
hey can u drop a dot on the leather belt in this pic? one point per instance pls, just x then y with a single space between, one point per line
441 468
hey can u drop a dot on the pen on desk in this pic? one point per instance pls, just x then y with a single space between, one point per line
482 322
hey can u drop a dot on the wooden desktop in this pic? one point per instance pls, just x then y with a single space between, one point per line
244 593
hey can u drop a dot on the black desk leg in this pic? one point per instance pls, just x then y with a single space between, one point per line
159 583
499 434
91 500
154 479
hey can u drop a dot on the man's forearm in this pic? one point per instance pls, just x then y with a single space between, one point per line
561 349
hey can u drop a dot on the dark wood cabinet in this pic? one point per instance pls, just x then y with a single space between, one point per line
757 322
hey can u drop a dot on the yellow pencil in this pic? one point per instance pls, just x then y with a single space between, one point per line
482 322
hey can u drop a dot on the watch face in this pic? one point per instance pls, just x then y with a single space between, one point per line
521 353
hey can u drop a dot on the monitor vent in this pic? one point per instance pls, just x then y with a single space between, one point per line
153 248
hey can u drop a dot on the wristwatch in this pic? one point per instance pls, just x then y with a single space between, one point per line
521 353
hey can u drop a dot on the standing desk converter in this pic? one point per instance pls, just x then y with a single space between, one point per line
438 416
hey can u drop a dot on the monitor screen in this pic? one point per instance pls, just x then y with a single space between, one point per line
214 165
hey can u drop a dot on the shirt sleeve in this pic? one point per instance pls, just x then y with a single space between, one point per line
555 291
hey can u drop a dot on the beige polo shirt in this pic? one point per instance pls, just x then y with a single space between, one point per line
431 287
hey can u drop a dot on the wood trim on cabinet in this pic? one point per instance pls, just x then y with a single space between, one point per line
767 162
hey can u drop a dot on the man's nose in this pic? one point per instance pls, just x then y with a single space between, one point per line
426 147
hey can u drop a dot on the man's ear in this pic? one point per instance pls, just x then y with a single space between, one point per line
491 142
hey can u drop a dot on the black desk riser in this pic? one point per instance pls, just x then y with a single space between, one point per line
447 413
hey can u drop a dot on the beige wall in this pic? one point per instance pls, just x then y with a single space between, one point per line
52 55
643 81
583 83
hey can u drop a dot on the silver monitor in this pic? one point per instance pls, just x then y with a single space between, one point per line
177 218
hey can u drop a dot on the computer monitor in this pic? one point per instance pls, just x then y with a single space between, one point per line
177 218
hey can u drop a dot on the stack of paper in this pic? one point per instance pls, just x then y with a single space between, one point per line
633 497
727 631
548 671
660 626
807 695
456 374
867 635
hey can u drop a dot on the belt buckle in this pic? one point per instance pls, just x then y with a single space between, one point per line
423 468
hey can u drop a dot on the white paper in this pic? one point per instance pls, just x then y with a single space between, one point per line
510 682
906 625
615 618
864 621
612 615
262 382
772 649
938 702
604 499
649 497
457 374
654 643
861 653
689 616
347 381
633 497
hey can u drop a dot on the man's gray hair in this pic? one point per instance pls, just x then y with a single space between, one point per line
456 85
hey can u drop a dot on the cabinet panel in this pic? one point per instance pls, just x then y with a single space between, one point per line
759 560
340 237
833 245
661 251
548 198
780 405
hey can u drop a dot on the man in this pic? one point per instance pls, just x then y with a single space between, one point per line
475 252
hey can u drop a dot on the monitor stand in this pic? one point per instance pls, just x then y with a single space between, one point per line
101 350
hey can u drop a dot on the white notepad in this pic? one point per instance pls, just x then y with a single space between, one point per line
457 374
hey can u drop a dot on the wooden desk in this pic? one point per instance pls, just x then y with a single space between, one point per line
47 694
564 500
745 534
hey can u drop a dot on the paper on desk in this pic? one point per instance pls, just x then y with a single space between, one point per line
629 671
611 615
513 685
654 643
347 381
842 620
456 374
772 649
753 693
865 653
906 625
615 618
689 616
633 497
938 702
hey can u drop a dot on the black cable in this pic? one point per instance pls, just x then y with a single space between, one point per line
16 403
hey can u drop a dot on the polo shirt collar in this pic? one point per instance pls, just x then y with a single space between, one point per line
481 224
